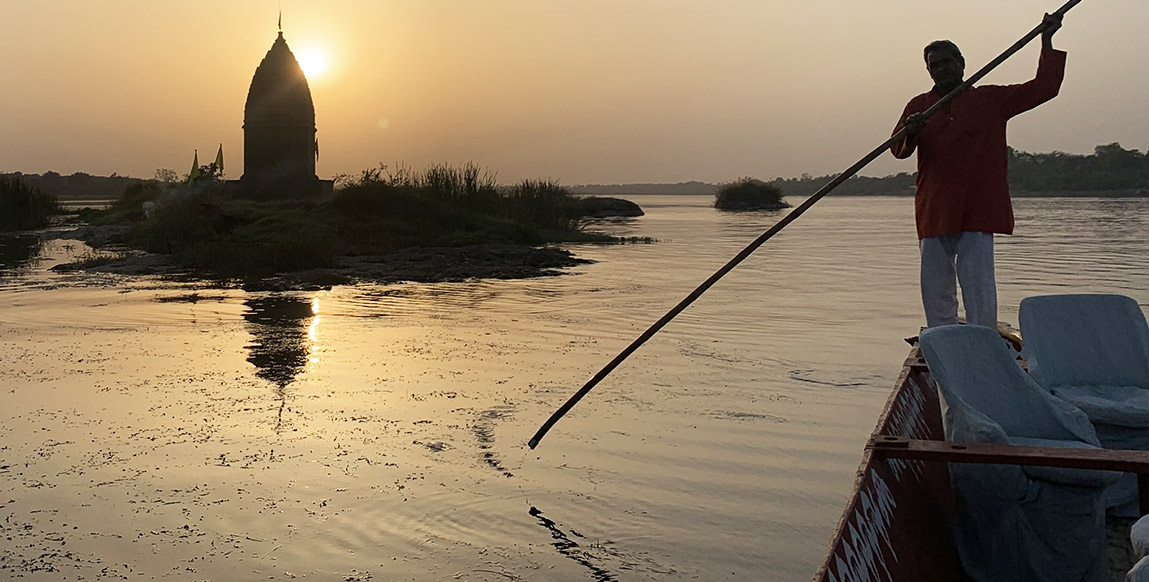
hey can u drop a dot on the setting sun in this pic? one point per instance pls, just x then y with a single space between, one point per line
313 62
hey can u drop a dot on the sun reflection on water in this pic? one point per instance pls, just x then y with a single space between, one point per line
311 329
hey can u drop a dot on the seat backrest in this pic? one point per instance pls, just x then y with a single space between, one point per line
972 364
1085 340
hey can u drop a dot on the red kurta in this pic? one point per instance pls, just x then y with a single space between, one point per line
962 175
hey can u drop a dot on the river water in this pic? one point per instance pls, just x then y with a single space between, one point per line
153 429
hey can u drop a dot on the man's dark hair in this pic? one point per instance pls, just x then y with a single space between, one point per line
943 45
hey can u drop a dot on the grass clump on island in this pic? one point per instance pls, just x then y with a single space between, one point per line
24 206
749 194
206 227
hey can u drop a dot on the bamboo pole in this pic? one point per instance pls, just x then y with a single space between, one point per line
786 220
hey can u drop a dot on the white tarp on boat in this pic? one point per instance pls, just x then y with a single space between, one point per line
1092 350
1014 522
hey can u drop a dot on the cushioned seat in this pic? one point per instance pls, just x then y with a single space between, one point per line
1092 350
1014 522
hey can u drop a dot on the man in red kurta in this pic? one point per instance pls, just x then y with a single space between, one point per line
962 195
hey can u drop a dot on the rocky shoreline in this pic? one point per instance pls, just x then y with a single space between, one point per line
416 264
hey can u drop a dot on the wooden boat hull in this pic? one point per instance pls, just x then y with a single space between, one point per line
898 523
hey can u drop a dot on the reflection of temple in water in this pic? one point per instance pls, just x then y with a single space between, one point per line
281 344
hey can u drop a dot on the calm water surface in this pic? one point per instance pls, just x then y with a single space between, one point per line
172 431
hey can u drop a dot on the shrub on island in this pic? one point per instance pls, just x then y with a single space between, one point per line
749 194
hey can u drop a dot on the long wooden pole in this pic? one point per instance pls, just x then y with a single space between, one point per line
786 220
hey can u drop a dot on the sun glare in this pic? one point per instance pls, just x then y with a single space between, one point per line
313 62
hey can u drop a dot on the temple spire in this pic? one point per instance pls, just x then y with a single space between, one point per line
279 130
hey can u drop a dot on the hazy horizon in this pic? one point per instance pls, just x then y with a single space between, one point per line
594 92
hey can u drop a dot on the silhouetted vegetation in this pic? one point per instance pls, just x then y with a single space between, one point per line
78 186
205 226
455 206
24 206
1110 169
129 206
96 258
749 194
902 184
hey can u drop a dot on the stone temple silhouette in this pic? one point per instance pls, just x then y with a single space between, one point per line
279 144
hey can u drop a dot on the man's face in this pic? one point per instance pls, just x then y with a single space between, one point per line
945 68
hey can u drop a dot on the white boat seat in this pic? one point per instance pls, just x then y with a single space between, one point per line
1093 351
1014 522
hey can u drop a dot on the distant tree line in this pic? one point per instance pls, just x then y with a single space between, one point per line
82 186
78 186
898 184
1110 168
679 188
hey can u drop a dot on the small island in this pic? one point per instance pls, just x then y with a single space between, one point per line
747 194
444 223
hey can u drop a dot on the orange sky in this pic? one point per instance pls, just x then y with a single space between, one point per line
583 91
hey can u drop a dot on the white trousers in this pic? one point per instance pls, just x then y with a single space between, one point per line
965 258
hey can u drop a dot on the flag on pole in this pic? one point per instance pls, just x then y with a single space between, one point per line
219 160
194 173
